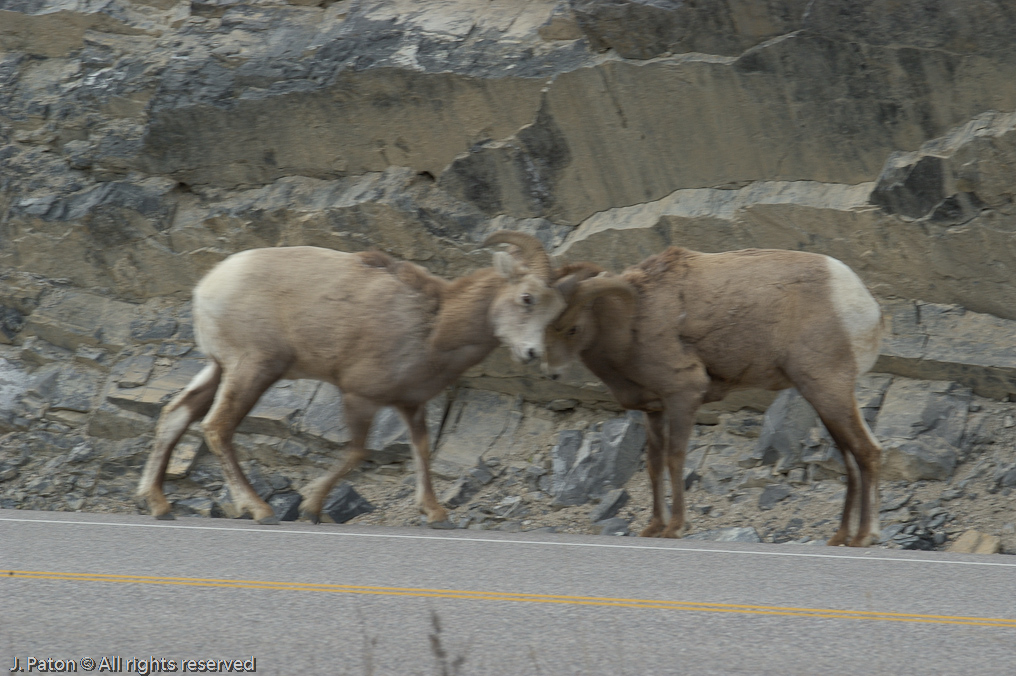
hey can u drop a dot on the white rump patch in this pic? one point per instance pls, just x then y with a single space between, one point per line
858 311
203 377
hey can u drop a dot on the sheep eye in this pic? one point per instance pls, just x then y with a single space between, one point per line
527 299
572 331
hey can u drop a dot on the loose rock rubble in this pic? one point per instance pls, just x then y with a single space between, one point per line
517 466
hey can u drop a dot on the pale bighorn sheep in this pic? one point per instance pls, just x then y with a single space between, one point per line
386 333
683 328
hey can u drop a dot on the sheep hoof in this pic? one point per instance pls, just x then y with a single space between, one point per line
168 516
310 516
272 520
441 525
837 540
653 530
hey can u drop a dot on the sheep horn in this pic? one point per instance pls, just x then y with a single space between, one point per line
531 250
580 271
591 289
569 276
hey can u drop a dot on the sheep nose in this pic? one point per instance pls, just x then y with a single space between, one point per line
555 376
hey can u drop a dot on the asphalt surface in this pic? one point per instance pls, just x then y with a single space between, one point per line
327 599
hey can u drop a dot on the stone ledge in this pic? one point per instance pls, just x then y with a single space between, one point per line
945 342
149 399
76 318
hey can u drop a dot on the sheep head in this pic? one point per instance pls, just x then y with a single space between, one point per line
526 302
576 329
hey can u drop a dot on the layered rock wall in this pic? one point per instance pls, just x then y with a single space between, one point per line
882 135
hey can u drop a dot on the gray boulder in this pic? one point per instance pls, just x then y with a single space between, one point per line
69 387
793 436
279 407
388 440
784 429
344 503
588 464
459 493
772 495
286 505
921 427
11 321
609 505
916 459
475 421
323 417
1006 476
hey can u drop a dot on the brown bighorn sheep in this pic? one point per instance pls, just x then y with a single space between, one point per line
386 333
683 328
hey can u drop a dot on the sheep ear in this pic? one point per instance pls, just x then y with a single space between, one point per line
508 266
591 289
566 285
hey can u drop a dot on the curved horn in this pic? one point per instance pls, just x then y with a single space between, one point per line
591 289
568 277
533 253
580 271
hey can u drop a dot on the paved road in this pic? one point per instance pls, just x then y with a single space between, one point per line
329 599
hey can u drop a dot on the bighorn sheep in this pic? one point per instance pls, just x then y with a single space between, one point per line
386 333
683 328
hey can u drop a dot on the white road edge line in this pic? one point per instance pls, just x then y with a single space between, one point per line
280 531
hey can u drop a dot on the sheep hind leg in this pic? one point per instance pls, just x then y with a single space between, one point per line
859 526
192 403
866 452
437 516
240 390
656 440
850 516
359 414
862 455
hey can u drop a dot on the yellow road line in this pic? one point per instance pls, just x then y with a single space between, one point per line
514 596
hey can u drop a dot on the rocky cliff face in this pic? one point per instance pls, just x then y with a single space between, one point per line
142 142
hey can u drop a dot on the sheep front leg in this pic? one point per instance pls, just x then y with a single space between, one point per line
680 423
241 387
415 417
359 414
656 440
